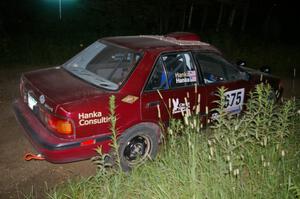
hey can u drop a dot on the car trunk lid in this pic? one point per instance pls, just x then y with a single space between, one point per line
56 86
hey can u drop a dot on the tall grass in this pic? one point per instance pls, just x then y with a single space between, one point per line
254 155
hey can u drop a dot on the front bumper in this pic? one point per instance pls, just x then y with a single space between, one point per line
55 149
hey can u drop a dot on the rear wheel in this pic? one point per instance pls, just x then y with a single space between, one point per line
272 96
136 146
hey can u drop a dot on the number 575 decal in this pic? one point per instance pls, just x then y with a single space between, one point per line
234 100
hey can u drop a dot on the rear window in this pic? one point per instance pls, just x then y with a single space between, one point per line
103 65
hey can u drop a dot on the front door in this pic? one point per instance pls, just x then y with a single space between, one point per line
218 72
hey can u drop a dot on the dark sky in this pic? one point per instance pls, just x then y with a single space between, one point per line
134 17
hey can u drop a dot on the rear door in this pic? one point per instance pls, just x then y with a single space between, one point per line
172 89
217 72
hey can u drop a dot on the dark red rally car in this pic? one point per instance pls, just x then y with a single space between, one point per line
65 110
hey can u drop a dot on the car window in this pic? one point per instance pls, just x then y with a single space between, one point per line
158 79
104 65
216 69
173 71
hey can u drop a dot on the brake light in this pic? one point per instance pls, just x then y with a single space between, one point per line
63 126
87 142
186 36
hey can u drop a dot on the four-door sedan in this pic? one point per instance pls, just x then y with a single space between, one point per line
65 110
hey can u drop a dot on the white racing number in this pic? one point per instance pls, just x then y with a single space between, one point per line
234 100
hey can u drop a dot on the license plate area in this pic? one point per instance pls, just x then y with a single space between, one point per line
31 101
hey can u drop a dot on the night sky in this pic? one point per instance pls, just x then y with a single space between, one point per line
32 24
276 19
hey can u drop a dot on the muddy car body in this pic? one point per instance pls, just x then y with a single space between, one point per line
65 109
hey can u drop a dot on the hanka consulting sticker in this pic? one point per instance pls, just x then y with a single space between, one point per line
186 77
92 118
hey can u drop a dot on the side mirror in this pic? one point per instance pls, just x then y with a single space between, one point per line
265 69
244 75
241 63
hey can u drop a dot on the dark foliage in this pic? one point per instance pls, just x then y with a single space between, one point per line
27 26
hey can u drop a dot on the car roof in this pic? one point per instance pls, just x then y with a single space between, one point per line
157 42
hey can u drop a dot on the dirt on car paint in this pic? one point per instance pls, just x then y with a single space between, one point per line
21 178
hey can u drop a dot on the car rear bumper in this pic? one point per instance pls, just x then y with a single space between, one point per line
55 149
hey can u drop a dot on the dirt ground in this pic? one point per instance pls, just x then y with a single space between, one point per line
21 178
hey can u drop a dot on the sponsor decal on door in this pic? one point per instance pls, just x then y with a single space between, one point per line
179 107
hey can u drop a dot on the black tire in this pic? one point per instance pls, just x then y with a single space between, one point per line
136 145
272 96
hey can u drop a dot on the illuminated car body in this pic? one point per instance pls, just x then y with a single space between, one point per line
65 110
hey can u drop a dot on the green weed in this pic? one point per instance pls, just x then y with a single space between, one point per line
253 155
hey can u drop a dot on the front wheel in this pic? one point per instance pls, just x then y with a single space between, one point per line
136 146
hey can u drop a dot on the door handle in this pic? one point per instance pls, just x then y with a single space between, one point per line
213 93
151 104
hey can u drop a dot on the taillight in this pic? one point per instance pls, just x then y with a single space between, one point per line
58 124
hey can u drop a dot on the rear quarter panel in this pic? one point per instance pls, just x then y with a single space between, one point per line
92 116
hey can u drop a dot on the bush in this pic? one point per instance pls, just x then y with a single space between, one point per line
253 155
